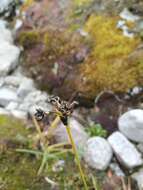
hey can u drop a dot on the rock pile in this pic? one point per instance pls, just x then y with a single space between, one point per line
99 152
18 93
6 6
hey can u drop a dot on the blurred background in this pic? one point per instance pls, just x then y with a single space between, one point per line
89 51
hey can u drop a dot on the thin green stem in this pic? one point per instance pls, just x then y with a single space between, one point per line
35 152
37 127
94 182
43 163
58 145
76 156
53 126
42 140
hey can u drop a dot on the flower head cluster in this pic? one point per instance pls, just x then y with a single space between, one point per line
61 108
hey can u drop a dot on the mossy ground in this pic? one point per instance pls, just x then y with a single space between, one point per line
10 128
18 171
82 2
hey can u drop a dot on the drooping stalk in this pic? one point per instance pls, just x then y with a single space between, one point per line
76 156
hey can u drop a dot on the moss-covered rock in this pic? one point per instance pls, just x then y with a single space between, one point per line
108 67
66 61
54 61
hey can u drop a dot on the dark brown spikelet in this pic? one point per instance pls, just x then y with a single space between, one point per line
39 115
62 108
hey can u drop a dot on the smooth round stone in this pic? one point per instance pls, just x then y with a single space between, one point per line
131 125
98 153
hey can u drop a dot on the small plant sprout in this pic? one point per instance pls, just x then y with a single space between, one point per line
63 111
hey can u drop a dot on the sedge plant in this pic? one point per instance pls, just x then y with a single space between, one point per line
63 110
47 152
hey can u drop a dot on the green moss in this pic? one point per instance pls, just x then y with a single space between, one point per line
29 38
109 42
82 2
107 67
11 127
17 171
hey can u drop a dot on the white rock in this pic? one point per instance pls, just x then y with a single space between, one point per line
136 90
12 106
1 82
140 147
18 72
42 98
19 114
7 95
33 108
25 106
5 34
13 80
34 100
9 55
78 133
18 24
121 23
4 5
131 125
25 87
4 112
116 169
3 24
125 151
127 15
138 176
126 32
35 96
98 153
